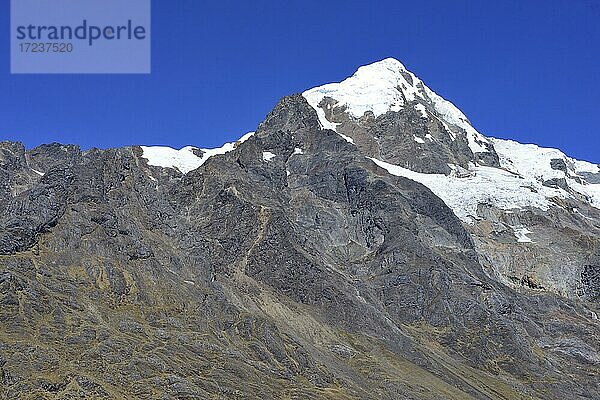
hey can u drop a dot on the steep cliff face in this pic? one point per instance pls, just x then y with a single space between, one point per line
299 262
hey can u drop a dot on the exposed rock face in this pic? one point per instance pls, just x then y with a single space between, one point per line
290 265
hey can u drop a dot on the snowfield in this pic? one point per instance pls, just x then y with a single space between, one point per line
517 185
486 186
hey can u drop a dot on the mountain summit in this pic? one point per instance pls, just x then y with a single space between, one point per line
387 86
365 242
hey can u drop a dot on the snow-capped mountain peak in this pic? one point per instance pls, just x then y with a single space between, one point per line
388 86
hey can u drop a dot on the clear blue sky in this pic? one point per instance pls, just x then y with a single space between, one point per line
522 69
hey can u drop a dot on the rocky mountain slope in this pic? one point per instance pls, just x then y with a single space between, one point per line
366 242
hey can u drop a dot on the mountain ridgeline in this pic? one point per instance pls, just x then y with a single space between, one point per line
365 242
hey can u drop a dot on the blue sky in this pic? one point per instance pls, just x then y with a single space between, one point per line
527 70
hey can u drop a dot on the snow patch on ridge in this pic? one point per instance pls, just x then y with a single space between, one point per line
184 160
